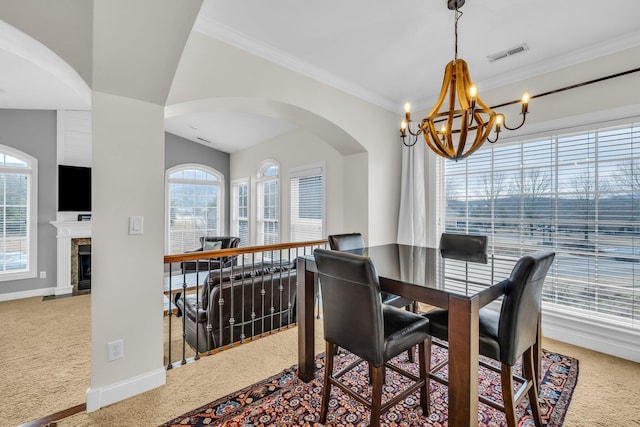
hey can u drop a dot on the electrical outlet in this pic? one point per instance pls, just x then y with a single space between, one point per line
115 350
43 274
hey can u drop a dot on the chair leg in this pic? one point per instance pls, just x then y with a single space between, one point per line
424 353
506 374
537 352
411 352
528 361
376 395
326 388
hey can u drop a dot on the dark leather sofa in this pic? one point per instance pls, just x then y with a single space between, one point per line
214 263
269 295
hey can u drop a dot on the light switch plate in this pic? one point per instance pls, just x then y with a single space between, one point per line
136 224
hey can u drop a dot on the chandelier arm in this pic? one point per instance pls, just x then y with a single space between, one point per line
416 134
496 138
415 139
493 141
524 118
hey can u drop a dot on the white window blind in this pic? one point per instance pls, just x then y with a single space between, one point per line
17 217
578 195
194 203
269 204
240 211
306 192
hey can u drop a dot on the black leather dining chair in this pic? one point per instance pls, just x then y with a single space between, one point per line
463 247
510 333
353 241
356 320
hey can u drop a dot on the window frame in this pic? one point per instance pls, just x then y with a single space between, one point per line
220 197
235 218
261 180
32 212
311 170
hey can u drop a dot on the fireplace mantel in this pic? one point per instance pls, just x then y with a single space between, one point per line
68 230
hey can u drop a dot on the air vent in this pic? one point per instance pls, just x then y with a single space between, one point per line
203 140
511 51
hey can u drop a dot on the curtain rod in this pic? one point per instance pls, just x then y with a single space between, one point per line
551 92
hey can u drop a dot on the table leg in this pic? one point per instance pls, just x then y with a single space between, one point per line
306 326
463 361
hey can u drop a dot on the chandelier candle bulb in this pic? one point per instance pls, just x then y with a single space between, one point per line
473 92
525 102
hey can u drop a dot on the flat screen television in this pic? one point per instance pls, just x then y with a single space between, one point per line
74 188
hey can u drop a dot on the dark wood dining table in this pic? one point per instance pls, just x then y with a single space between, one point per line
418 273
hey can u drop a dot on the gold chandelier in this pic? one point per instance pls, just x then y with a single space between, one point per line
467 116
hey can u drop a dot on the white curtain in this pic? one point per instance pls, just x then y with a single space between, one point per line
412 219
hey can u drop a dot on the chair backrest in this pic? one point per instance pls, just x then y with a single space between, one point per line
464 247
351 302
227 241
346 242
521 305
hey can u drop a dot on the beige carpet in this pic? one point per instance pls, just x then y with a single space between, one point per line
44 356
606 394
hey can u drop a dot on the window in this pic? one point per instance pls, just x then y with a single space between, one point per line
577 194
240 210
195 204
306 192
268 203
18 214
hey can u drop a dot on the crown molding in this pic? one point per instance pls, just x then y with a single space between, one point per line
214 29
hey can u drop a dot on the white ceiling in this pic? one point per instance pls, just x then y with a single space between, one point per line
379 50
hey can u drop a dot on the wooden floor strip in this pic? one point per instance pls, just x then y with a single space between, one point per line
49 420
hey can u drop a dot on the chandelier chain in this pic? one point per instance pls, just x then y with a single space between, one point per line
458 15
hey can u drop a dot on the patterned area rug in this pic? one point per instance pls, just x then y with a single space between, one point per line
285 400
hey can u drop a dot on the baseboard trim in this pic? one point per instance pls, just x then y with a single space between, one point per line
42 292
102 396
619 342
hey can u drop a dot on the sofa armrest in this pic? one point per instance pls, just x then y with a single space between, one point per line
194 313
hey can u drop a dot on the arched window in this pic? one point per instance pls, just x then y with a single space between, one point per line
18 214
268 203
195 203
